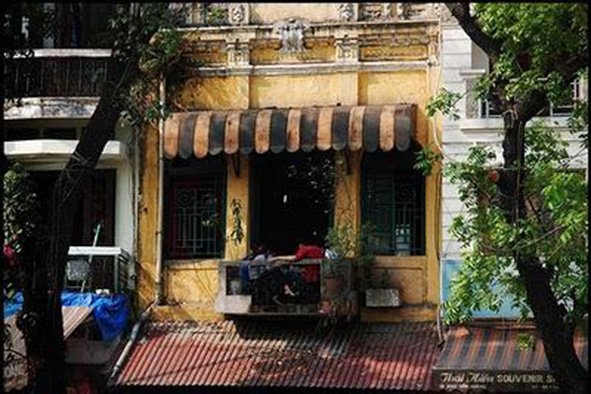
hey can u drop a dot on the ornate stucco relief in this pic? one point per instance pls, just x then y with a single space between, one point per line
393 53
347 49
239 14
291 35
348 12
402 11
318 50
238 53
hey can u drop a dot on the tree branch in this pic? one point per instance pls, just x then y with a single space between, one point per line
535 100
461 11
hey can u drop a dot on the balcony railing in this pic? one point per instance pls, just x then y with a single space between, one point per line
58 73
318 287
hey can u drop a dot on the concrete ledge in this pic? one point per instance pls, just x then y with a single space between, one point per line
495 125
184 312
313 68
56 150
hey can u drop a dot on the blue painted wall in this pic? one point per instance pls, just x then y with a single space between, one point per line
450 268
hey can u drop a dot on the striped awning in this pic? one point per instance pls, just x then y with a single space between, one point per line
291 129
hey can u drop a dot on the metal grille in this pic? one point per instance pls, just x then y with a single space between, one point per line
104 272
394 205
286 288
56 77
197 218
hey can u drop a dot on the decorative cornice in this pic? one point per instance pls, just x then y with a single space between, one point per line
402 11
312 69
296 41
316 29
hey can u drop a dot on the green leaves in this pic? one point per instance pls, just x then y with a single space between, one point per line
444 102
162 54
543 47
539 42
554 230
426 159
578 122
20 214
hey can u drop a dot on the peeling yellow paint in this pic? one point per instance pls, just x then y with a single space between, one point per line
214 93
297 90
191 282
237 190
317 53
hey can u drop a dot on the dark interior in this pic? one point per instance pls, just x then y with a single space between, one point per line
291 202
96 205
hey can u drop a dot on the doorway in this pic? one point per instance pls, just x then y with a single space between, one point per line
292 196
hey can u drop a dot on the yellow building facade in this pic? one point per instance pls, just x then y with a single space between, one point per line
292 56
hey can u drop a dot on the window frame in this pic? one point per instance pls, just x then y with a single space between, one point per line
400 169
196 169
256 232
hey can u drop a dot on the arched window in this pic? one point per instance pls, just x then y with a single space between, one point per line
393 201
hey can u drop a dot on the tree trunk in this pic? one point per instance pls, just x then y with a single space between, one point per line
557 334
44 340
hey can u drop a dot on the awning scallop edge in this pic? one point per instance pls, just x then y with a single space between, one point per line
370 128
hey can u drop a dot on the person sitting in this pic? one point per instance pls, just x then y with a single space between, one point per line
306 250
309 252
258 253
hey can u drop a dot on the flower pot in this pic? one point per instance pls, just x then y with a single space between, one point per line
332 285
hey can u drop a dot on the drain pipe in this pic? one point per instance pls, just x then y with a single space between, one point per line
158 294
132 339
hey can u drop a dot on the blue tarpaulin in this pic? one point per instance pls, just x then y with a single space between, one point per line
111 312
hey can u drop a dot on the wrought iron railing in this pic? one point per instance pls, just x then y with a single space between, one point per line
309 287
266 285
57 73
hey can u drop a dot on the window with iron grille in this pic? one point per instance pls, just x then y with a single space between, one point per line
195 208
393 202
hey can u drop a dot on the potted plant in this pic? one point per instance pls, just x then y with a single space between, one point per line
351 258
378 293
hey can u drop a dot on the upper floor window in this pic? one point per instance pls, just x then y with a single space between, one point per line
393 202
563 108
195 192
97 205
